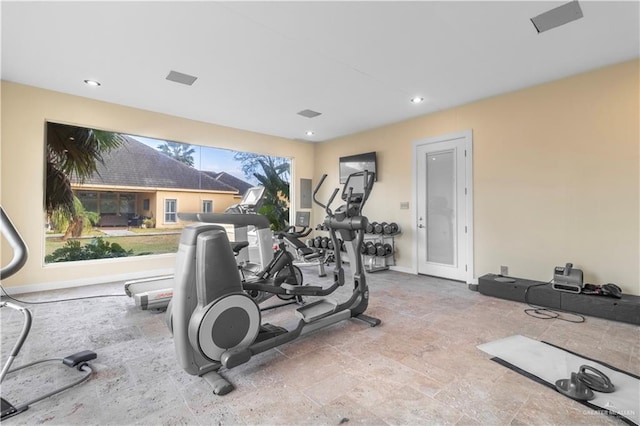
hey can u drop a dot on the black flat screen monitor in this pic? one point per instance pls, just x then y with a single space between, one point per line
358 163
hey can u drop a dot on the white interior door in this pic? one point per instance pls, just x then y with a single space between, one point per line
443 206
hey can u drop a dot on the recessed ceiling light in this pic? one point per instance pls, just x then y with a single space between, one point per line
92 82
310 133
417 99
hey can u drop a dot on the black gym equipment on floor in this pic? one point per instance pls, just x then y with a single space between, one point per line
625 309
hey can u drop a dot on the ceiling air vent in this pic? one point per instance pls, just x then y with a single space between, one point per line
309 113
556 17
179 77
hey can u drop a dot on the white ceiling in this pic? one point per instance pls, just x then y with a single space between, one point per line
259 63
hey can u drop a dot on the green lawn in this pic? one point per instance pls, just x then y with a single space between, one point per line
153 244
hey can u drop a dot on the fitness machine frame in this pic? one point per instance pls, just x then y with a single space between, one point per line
78 360
215 324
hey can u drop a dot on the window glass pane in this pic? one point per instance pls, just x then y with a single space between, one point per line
141 181
127 203
170 211
89 200
441 207
108 203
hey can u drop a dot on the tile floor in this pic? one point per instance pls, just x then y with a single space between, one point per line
421 366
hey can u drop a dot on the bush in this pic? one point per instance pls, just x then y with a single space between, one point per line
60 219
96 249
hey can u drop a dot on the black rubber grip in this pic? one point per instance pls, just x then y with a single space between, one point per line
77 358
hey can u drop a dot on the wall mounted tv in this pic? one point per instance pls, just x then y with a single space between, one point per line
357 163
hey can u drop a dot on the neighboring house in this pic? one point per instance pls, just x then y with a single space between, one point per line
137 182
232 181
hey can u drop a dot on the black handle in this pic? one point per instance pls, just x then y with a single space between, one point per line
567 268
598 381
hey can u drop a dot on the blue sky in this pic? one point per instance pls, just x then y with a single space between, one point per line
208 159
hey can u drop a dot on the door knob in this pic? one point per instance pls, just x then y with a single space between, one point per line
420 226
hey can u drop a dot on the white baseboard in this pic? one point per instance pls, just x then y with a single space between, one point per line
57 285
402 269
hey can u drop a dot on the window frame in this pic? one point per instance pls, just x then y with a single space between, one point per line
205 203
166 212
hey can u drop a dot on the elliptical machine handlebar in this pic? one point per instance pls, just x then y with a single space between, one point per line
20 252
326 207
359 198
315 191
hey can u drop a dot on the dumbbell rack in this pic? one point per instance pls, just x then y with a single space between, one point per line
374 262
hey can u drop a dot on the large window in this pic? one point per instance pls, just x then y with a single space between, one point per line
139 185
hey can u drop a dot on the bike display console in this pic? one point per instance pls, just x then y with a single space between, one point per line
626 309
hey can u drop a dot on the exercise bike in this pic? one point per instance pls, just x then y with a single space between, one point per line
79 360
216 324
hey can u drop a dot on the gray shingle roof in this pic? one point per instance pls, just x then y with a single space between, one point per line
231 180
136 164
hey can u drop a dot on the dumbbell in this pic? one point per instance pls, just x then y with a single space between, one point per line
371 248
330 244
310 243
390 228
378 227
324 242
380 251
369 228
317 241
388 249
363 248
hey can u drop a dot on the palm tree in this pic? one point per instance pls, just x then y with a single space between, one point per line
251 163
179 151
72 155
276 191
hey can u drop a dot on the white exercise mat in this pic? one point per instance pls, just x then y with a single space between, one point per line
550 363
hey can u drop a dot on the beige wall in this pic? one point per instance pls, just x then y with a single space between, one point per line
556 176
24 111
556 173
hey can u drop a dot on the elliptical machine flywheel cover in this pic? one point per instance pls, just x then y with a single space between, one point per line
229 322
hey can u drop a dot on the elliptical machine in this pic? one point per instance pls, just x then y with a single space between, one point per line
216 324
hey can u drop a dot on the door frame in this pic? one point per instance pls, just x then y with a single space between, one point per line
467 137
